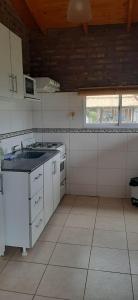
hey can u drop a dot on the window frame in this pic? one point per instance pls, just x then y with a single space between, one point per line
119 124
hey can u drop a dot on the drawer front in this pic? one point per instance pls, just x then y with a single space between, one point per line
36 205
36 181
36 228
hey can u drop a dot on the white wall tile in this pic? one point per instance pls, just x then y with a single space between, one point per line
111 159
77 120
112 141
83 141
111 191
55 101
56 119
83 176
132 141
37 119
82 189
132 160
83 158
113 177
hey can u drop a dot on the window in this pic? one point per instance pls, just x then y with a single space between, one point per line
111 110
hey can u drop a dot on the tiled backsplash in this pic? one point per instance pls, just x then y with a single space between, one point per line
99 161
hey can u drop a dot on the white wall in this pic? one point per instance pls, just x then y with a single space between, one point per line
97 163
14 116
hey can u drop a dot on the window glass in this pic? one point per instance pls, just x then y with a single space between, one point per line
102 109
129 109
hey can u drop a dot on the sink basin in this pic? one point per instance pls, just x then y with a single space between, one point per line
28 155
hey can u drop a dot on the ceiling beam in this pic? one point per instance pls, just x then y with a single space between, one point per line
24 13
130 14
34 10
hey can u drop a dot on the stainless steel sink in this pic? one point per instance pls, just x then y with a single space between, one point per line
28 155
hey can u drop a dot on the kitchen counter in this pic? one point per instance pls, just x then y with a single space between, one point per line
27 165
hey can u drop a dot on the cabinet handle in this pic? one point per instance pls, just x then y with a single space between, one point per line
1 181
54 167
15 80
37 201
37 226
37 177
11 83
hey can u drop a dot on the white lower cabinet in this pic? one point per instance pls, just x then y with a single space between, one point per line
29 202
51 186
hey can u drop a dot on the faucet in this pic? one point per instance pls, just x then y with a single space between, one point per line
21 146
13 149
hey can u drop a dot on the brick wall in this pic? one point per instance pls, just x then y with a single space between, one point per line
10 19
108 55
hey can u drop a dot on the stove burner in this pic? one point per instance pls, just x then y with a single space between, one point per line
46 145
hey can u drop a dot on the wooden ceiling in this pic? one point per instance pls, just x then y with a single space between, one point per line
53 13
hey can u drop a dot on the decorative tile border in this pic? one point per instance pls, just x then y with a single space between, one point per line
85 130
16 133
68 130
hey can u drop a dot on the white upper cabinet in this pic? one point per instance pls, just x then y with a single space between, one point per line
11 65
16 65
5 63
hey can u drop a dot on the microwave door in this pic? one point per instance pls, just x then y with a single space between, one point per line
29 86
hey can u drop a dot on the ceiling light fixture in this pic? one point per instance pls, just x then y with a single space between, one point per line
79 11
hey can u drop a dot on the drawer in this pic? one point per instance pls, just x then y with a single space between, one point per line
36 205
36 228
36 181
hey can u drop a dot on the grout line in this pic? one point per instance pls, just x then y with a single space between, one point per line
128 251
91 250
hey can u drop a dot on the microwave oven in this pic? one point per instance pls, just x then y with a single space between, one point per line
29 87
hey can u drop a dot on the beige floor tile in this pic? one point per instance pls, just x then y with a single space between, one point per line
21 277
74 235
86 201
110 212
132 224
80 221
132 241
58 219
45 298
63 209
110 223
71 256
39 254
134 261
111 239
14 296
51 233
109 203
80 210
135 286
113 260
68 200
3 263
106 285
60 282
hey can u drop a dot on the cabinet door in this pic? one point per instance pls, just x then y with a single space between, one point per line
17 64
5 63
48 191
56 180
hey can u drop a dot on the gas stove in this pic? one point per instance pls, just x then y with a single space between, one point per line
46 145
